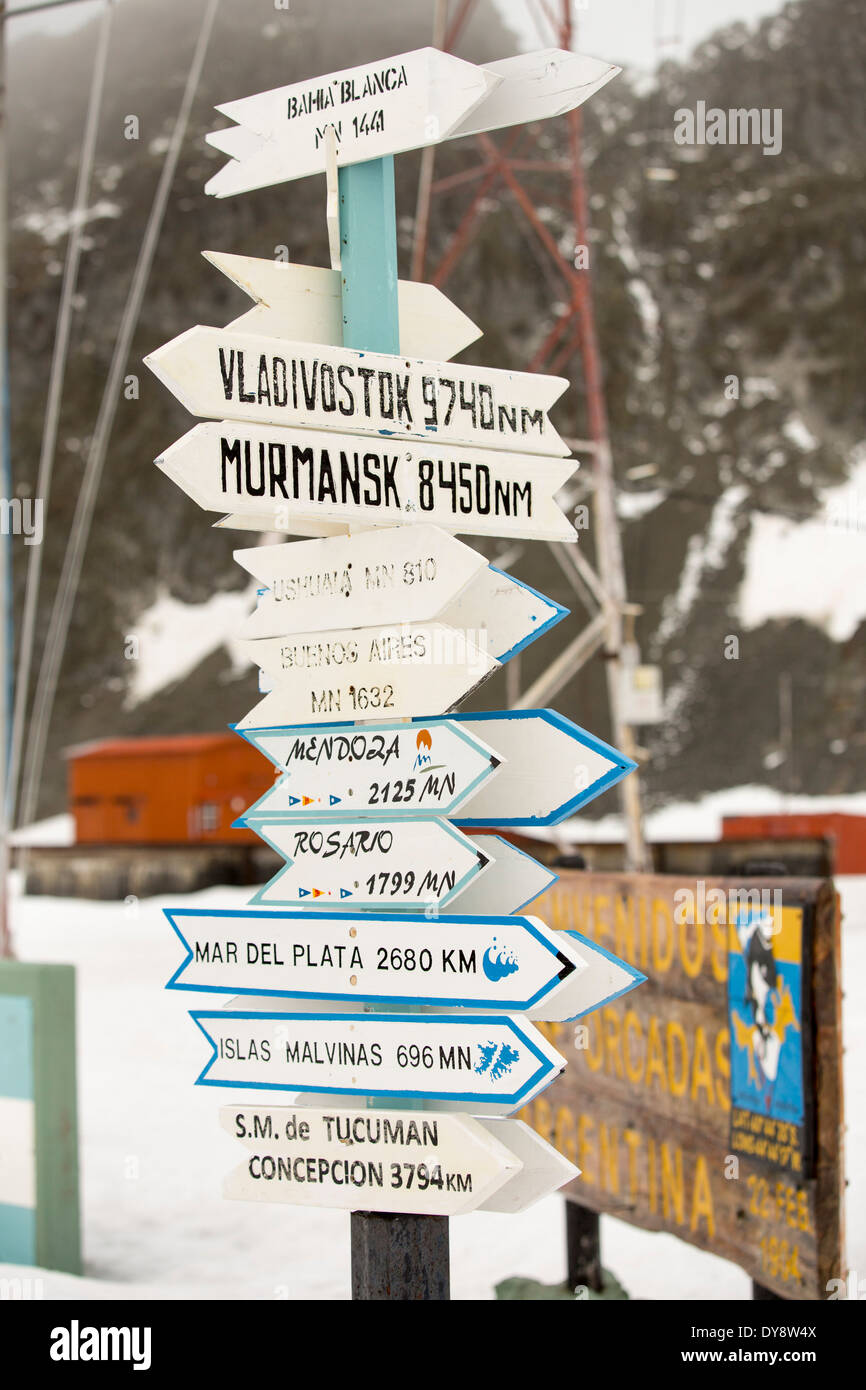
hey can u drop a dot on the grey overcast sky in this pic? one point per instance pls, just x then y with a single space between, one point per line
626 31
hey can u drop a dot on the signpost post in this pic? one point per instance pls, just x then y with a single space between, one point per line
343 415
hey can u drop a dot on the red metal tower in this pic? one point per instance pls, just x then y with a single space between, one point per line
573 334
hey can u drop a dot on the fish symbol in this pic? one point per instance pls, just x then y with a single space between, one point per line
498 964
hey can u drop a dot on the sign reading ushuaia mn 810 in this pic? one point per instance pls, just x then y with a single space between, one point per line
334 413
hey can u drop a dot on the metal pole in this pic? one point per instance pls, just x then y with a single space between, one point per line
428 159
6 648
403 1258
582 1247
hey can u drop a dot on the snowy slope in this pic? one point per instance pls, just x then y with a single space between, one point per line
153 1156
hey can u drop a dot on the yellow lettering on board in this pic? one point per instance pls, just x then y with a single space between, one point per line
563 1133
544 1118
631 1025
655 1065
632 1142
694 959
584 1147
719 955
623 919
611 1041
662 958
702 1071
702 1198
676 1038
641 914
672 1184
594 1053
608 1160
599 908
723 1066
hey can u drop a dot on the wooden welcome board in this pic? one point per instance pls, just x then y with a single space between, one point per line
665 1106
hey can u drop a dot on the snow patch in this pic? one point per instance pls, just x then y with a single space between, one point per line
815 569
175 637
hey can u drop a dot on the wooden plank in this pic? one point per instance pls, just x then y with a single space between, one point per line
665 1107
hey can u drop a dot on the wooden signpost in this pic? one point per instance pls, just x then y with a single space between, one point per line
220 372
332 413
435 1164
370 863
311 482
456 960
384 108
421 574
303 302
514 767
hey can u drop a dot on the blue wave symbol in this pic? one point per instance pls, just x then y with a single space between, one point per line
498 963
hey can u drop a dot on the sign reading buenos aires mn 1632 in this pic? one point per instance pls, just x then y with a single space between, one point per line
706 1104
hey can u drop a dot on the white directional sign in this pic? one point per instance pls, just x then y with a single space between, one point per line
380 108
363 673
219 372
551 767
389 1160
512 880
447 961
369 863
546 768
502 614
378 769
492 1060
312 481
397 104
501 963
304 303
357 581
408 573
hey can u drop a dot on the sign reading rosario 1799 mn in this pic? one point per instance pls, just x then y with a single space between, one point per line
216 372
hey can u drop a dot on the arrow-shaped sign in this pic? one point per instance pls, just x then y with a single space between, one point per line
511 881
502 963
491 1060
546 768
551 767
389 1160
394 769
369 863
393 578
219 372
380 108
303 302
361 673
448 961
364 580
302 482
397 104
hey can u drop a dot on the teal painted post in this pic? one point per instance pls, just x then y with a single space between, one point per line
394 1257
368 251
39 1201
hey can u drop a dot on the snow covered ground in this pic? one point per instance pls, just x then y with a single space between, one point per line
153 1156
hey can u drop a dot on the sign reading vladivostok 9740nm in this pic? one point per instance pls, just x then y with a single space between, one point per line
217 372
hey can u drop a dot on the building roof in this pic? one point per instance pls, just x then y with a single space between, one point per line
177 745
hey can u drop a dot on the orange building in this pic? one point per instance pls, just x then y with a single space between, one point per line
184 789
846 833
